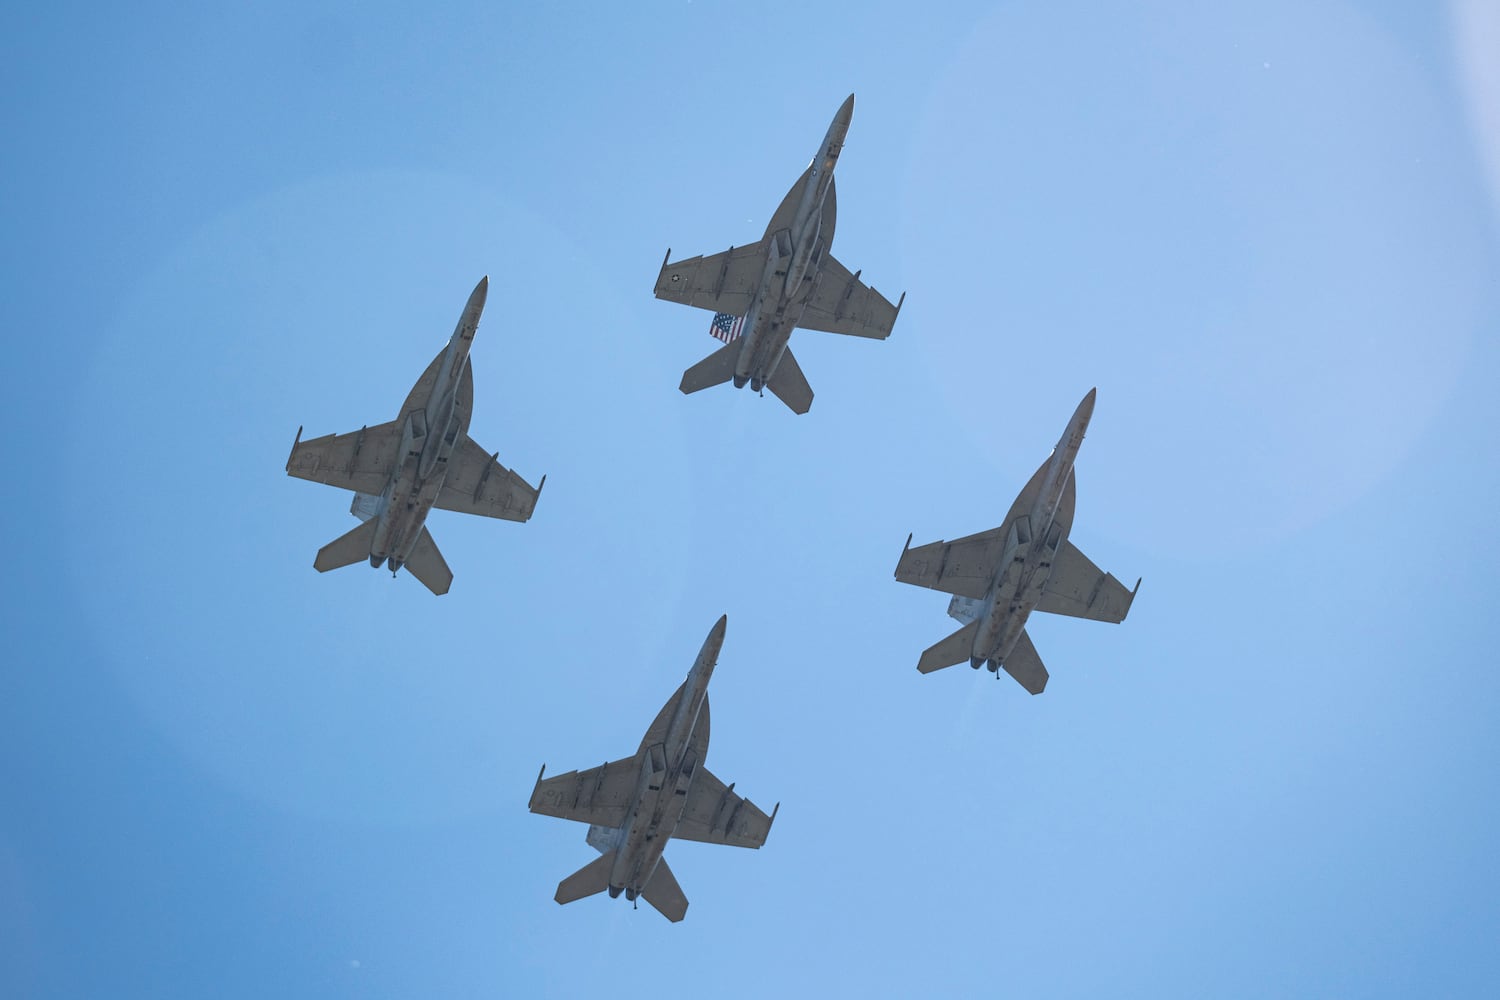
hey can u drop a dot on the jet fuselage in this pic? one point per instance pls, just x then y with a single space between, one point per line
431 433
667 769
1031 546
795 252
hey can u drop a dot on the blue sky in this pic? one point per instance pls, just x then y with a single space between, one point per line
1265 231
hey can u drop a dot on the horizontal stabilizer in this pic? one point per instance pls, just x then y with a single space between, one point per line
426 563
1025 666
347 549
715 369
951 651
591 878
664 893
790 385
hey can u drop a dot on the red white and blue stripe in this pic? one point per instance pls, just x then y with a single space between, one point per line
726 327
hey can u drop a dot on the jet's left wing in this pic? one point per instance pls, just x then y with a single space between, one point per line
714 814
362 460
723 282
965 566
478 484
841 303
1079 588
599 796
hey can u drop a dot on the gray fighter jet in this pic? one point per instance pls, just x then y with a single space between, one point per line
760 292
998 577
422 459
634 805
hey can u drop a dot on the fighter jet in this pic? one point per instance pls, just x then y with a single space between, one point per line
635 804
760 292
424 458
998 577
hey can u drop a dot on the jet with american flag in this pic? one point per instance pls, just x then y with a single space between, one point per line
761 292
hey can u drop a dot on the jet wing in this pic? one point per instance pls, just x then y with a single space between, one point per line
724 282
841 303
362 460
965 566
1079 588
478 484
714 814
600 796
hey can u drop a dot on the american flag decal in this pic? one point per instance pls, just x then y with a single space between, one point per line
726 327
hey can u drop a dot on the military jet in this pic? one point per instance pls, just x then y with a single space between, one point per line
422 459
635 804
760 292
998 577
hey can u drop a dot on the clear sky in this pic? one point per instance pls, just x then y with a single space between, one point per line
1267 231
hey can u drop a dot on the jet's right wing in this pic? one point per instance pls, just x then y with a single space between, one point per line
362 460
723 282
965 566
599 796
714 814
478 484
842 303
1079 588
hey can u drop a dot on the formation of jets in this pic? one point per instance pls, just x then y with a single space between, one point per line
759 293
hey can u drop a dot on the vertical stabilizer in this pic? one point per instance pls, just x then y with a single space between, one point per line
964 609
367 505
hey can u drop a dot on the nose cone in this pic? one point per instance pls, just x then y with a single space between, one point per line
708 656
1085 412
716 634
477 297
846 112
